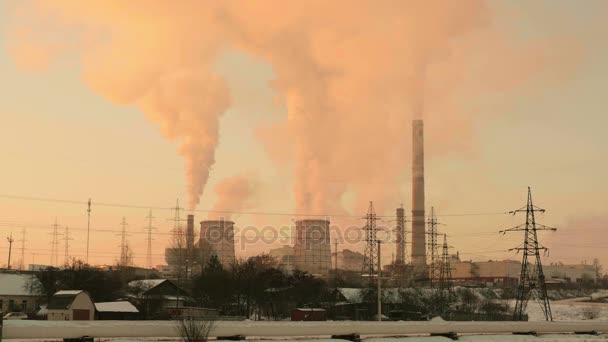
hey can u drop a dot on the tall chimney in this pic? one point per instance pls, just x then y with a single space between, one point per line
400 245
190 233
418 218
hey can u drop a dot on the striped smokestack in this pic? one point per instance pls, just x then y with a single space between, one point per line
418 218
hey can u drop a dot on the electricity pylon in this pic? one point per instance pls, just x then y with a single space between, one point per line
532 278
371 244
124 247
433 261
445 273
149 240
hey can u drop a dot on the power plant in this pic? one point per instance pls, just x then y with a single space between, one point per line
217 237
418 212
312 246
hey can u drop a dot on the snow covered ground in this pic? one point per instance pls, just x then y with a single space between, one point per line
567 313
570 310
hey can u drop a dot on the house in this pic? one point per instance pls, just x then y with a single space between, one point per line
14 293
116 311
155 297
73 305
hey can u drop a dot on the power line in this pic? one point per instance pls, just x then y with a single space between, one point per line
260 213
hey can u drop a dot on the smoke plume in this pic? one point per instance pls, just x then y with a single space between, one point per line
351 74
233 194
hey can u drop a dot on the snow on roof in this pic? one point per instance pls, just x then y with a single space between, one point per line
146 283
67 292
310 309
15 284
116 307
352 295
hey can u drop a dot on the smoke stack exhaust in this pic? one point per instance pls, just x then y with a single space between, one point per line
418 215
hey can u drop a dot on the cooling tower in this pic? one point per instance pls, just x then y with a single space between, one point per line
217 237
400 238
312 246
418 218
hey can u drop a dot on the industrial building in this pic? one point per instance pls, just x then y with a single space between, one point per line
507 272
284 256
312 246
217 237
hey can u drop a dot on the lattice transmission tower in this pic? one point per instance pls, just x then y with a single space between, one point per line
433 258
532 278
445 273
124 246
55 244
66 245
149 239
371 243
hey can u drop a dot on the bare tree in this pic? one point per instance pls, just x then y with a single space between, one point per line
194 330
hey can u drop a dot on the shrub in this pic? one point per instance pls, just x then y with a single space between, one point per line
194 330
591 312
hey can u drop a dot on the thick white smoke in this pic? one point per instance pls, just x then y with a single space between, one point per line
351 74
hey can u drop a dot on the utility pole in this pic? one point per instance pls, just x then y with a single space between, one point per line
371 251
22 249
66 241
88 228
10 249
532 278
433 249
179 244
149 240
379 284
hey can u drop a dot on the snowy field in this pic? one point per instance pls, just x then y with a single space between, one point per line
568 314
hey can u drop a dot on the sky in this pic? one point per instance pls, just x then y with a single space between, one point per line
70 131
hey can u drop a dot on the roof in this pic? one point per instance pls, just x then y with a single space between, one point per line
116 307
62 300
15 284
146 283
68 292
311 309
352 295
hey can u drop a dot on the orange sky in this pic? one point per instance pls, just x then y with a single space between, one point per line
310 108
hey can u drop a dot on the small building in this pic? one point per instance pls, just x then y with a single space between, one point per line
155 297
116 311
308 314
14 293
72 305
